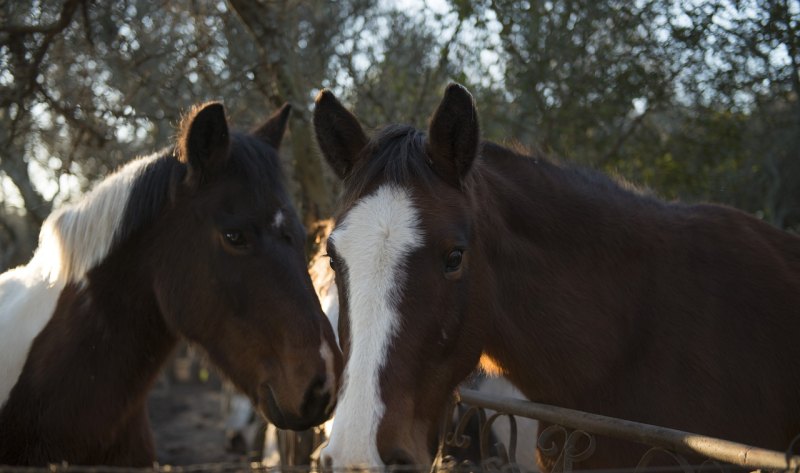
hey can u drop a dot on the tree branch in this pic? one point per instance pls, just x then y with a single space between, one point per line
68 9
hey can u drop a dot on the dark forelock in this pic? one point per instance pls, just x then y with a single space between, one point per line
395 155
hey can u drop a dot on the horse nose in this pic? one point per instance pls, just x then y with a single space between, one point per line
317 403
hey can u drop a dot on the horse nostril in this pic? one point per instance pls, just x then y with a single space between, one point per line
317 399
320 385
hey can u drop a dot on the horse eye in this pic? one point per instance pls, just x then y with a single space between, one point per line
331 261
453 261
235 238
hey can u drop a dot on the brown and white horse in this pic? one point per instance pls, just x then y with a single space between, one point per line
584 293
200 242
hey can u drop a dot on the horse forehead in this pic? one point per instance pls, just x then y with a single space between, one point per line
248 195
383 220
253 173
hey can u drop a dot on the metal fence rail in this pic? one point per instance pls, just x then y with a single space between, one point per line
577 428
583 426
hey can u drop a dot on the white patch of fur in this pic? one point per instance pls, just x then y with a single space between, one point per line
27 301
72 240
77 237
278 220
373 241
330 305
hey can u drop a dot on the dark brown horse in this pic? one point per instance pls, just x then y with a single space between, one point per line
200 242
584 293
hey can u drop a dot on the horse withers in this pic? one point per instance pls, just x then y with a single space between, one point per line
452 252
200 241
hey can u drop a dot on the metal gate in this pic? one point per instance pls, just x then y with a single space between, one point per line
576 432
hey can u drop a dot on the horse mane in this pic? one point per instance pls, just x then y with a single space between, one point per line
397 154
78 236
257 163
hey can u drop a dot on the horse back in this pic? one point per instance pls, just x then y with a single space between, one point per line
710 338
724 319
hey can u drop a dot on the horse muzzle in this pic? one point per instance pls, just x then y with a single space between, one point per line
317 406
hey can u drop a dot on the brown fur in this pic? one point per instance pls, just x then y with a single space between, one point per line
82 392
585 294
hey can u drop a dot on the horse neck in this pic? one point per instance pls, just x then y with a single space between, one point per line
99 354
127 313
550 281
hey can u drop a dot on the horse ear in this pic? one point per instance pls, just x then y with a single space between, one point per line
339 134
454 135
272 130
204 140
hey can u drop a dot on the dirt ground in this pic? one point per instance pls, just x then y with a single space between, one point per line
189 425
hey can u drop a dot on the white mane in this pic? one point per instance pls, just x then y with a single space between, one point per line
73 239
78 236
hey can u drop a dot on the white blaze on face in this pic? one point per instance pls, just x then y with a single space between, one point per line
373 242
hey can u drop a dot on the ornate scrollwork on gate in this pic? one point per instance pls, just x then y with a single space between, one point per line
650 455
503 456
457 441
468 424
569 440
575 446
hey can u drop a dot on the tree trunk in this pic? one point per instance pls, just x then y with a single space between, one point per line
264 21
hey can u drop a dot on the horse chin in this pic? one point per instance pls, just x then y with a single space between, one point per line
269 409
409 444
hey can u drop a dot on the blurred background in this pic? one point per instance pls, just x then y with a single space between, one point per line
696 100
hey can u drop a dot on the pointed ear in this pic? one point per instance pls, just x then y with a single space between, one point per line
204 140
272 130
339 134
454 135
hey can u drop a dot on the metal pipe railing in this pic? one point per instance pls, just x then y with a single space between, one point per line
671 439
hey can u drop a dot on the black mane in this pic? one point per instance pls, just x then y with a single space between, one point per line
259 167
149 193
252 160
396 154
